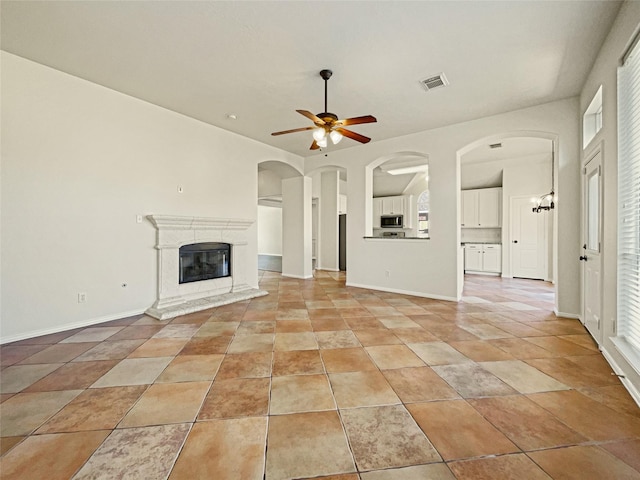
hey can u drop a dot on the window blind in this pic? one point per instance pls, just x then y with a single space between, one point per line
629 198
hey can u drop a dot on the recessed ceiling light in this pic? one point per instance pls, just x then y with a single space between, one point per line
232 116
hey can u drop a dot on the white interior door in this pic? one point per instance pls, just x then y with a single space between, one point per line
528 239
591 257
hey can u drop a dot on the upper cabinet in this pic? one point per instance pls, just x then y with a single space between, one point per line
398 205
481 208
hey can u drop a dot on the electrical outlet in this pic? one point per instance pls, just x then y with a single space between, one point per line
138 218
82 297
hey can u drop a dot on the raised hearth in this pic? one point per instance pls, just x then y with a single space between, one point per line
175 298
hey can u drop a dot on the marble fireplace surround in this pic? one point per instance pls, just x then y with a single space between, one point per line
176 299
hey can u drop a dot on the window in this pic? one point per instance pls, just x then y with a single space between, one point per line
629 205
423 214
592 119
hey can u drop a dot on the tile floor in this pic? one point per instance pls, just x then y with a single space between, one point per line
317 380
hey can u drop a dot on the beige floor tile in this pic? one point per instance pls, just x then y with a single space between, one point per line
386 437
347 360
521 349
261 326
217 329
398 321
588 417
147 452
133 371
300 393
233 448
438 353
524 378
471 380
486 332
92 334
7 443
285 342
377 336
560 346
572 463
337 339
25 412
573 374
508 467
434 471
18 377
359 389
206 345
167 403
191 368
458 431
307 445
255 342
525 423
480 351
297 362
177 331
419 384
246 365
388 357
94 409
54 457
60 353
293 326
159 347
73 376
111 350
236 397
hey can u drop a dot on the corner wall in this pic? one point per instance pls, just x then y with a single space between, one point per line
79 163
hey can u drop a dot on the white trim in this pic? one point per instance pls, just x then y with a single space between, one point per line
71 326
328 269
300 277
403 292
628 353
575 316
631 388
491 274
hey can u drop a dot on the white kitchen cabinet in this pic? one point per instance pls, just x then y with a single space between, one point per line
481 208
393 205
483 258
397 205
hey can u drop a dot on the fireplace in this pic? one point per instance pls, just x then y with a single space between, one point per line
204 261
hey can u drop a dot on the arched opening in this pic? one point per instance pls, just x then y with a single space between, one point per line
501 177
394 184
276 223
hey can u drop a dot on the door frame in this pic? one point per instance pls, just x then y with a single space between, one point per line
597 149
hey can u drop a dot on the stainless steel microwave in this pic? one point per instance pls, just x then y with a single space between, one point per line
391 221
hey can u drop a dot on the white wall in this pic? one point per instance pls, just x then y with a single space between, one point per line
604 73
430 267
296 227
79 162
269 184
269 230
328 231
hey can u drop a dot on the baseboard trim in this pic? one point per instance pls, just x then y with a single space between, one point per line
631 388
70 326
402 292
328 269
299 277
573 316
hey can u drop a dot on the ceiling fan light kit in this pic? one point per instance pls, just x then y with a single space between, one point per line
327 125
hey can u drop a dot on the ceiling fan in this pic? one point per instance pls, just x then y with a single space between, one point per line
327 125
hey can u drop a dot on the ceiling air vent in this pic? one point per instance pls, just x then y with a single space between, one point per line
495 145
436 81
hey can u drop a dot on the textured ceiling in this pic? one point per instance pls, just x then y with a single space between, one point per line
260 60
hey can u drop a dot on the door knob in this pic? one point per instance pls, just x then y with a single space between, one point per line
583 258
515 241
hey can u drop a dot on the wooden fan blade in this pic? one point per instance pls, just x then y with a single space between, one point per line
314 146
293 131
353 135
311 117
357 120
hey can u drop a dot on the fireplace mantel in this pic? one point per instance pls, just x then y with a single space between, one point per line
176 299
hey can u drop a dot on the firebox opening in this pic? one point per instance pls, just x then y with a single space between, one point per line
204 261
